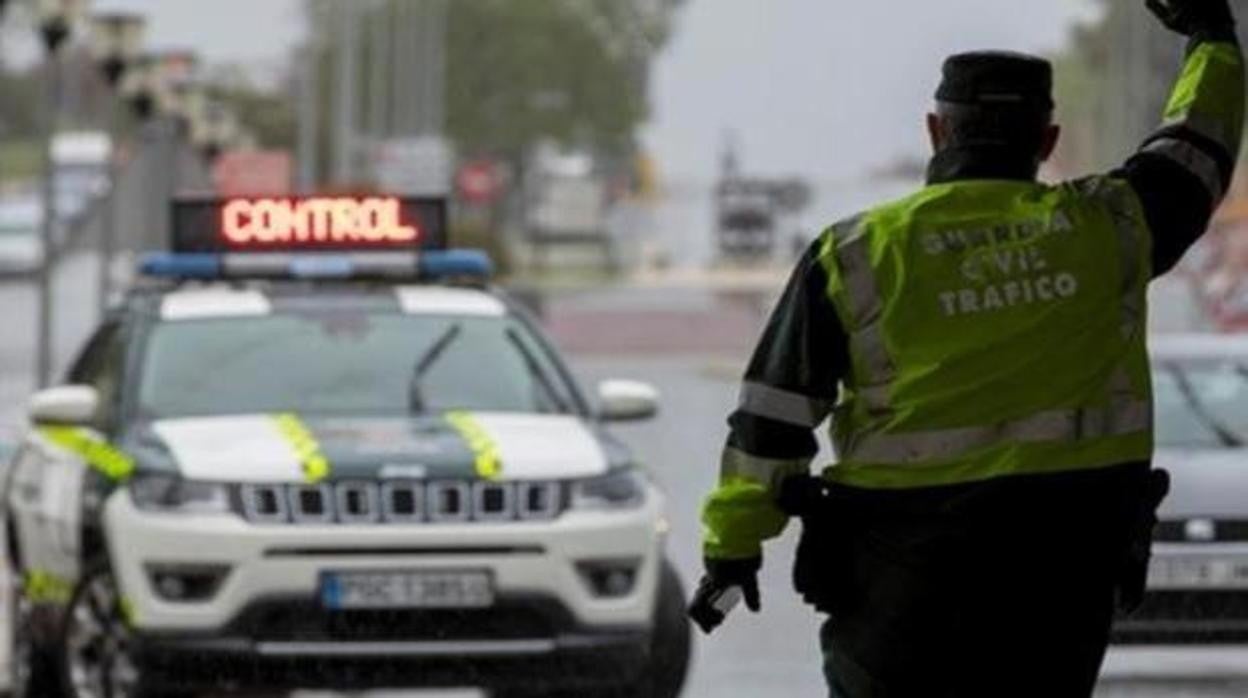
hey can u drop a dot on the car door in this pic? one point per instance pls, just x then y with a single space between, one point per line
47 482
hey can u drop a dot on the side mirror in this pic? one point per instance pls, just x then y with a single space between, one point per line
626 401
66 404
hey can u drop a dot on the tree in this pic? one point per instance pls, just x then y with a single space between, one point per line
270 115
519 72
1113 79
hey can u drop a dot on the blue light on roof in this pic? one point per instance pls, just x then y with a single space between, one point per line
432 266
449 263
321 267
181 266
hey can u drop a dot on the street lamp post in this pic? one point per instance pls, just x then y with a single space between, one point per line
116 39
3 6
56 21
213 130
174 74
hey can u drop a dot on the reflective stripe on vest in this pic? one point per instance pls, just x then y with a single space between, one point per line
764 471
1129 224
783 405
97 453
872 442
866 307
1192 159
44 587
1053 426
1200 101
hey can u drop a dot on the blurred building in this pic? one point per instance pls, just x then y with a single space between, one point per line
1113 81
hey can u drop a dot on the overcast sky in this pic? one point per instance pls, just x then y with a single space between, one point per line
820 87
823 87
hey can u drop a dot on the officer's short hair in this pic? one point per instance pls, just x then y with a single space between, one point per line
1010 126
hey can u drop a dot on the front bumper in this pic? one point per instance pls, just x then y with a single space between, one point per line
525 559
1191 608
293 643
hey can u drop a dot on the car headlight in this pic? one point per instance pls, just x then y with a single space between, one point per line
169 494
619 489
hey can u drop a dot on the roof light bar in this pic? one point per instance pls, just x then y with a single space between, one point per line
166 265
449 263
399 266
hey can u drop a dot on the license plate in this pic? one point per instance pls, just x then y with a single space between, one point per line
388 590
1200 573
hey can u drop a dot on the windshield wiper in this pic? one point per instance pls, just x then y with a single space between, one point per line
1228 438
535 370
415 398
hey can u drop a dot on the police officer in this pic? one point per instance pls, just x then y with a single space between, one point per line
981 349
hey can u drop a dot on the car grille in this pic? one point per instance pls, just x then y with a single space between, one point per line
1201 531
1184 617
307 621
400 502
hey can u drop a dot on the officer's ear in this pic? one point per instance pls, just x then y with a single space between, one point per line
1048 143
936 131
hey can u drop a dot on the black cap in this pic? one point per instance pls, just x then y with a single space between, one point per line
997 78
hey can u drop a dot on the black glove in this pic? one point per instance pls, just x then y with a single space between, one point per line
714 598
1196 18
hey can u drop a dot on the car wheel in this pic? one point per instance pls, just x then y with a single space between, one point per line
33 673
97 653
671 645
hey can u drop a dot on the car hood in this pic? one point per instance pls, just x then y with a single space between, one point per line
1205 483
255 448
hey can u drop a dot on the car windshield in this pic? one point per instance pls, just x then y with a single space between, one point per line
1201 405
347 363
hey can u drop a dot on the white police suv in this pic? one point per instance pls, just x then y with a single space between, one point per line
307 455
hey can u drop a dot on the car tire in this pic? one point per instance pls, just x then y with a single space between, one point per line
671 645
96 652
33 670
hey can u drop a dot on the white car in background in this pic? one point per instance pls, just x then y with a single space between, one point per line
80 162
21 242
1198 581
273 484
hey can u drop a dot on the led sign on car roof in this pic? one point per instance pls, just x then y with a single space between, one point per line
261 223
366 237
308 224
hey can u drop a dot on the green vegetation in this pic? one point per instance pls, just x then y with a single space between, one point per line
522 71
271 116
19 110
20 160
1112 81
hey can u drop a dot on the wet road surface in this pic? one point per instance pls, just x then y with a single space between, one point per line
691 345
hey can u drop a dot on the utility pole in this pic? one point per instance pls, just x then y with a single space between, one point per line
47 237
436 95
116 39
380 59
3 61
309 136
55 25
405 60
347 91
